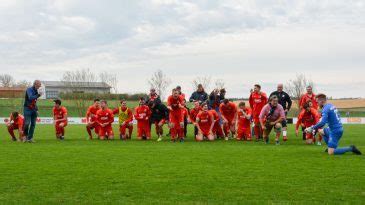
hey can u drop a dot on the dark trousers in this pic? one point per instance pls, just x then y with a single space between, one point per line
30 120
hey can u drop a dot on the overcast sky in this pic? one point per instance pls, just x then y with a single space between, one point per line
240 41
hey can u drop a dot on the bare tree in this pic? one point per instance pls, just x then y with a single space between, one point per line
297 86
160 82
110 79
220 84
205 81
7 80
22 84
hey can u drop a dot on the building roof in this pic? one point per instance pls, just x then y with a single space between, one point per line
75 84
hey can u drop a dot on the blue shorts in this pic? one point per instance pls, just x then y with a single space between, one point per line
334 137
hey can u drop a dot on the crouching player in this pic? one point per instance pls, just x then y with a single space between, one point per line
205 123
217 128
307 118
142 114
271 117
125 118
105 118
16 122
175 104
228 111
243 122
333 133
59 119
91 119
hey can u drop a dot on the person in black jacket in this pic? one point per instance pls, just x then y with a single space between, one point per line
159 116
199 95
286 102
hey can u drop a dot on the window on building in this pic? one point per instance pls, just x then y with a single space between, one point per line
51 94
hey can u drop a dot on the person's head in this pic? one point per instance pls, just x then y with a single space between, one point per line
196 104
280 87
200 88
257 88
242 105
37 84
205 107
321 99
222 92
274 101
225 101
307 106
103 104
15 115
215 92
152 91
142 101
175 93
309 89
57 103
178 88
97 103
123 103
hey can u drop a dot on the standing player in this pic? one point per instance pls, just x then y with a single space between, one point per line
333 133
271 117
309 96
59 119
178 88
159 116
192 115
286 102
228 112
307 118
153 96
142 113
205 123
91 118
257 101
243 122
16 122
217 128
125 119
175 104
105 118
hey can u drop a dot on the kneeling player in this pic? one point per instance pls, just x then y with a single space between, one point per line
159 116
205 123
307 118
59 119
91 121
244 122
217 128
142 114
228 111
271 117
105 118
125 118
16 122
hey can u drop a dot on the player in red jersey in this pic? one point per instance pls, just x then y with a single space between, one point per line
15 122
307 118
59 119
175 104
125 119
91 118
205 124
142 114
308 97
105 118
192 115
257 101
244 122
228 112
217 128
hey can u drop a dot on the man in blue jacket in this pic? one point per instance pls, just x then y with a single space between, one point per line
31 110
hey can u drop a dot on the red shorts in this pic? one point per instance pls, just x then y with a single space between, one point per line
244 133
123 128
58 128
144 129
176 117
96 126
256 118
105 131
205 130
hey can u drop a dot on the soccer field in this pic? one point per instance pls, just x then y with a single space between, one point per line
77 171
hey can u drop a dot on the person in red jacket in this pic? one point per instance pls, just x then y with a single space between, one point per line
307 118
205 123
142 114
244 122
217 128
125 119
308 97
16 122
228 112
175 104
92 124
105 118
257 100
192 115
59 119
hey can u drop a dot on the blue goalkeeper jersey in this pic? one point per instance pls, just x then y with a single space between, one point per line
331 117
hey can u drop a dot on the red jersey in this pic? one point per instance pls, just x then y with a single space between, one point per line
175 102
215 115
308 118
185 113
257 101
142 113
19 121
229 111
59 113
242 120
105 116
205 119
91 113
306 98
193 113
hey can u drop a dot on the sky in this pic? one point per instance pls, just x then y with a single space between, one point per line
241 42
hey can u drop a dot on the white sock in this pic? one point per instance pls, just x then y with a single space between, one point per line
284 133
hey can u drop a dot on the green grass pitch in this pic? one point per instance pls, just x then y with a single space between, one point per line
77 171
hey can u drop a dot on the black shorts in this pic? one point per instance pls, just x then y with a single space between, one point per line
284 123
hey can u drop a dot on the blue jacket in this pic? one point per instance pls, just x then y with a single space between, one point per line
31 97
330 116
